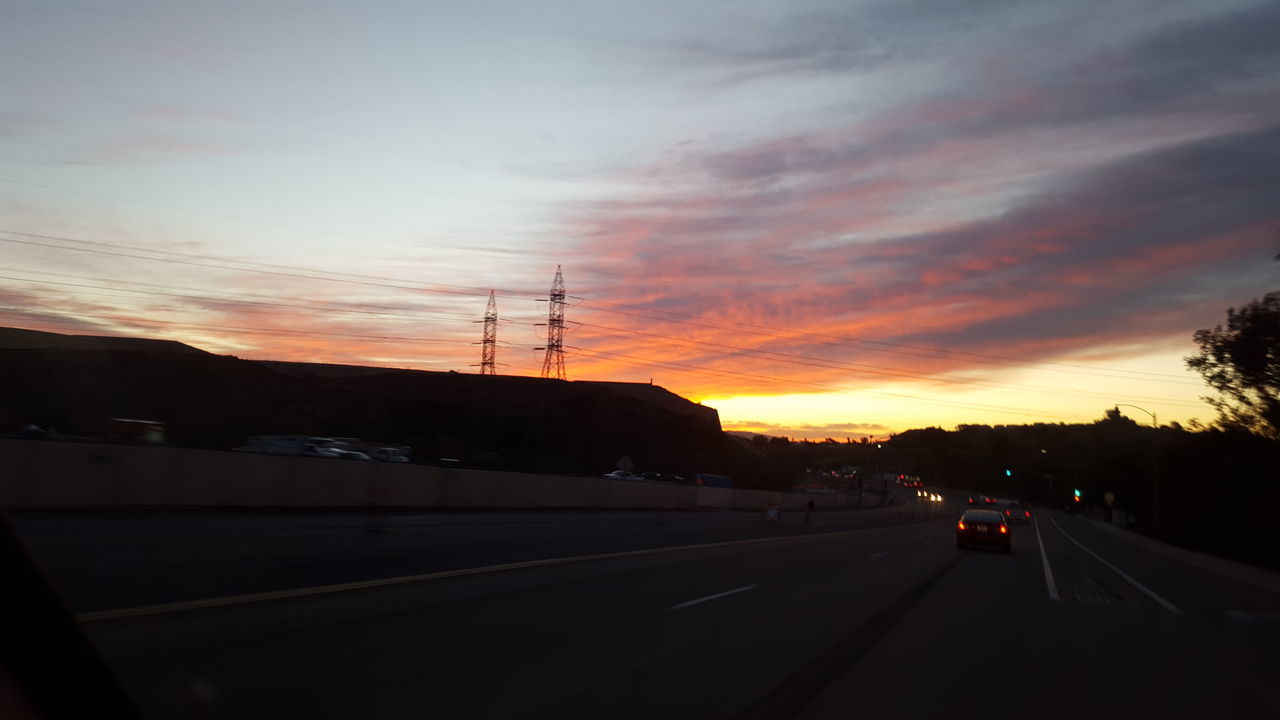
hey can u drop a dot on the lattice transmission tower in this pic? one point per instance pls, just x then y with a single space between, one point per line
553 361
489 346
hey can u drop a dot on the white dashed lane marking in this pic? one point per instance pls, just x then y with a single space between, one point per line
717 596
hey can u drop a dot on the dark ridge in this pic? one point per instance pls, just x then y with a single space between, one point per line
489 421
20 339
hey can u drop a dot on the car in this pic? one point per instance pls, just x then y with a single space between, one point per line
1016 512
661 477
320 450
983 528
387 454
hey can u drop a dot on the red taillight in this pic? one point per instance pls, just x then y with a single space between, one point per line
1027 513
1004 528
962 525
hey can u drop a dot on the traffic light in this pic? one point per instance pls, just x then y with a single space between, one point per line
1077 495
1008 473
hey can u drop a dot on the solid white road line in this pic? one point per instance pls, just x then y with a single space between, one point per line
1048 571
879 554
717 596
1145 590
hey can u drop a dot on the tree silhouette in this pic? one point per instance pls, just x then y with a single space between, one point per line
1242 363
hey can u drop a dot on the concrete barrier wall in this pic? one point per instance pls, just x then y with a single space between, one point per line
45 474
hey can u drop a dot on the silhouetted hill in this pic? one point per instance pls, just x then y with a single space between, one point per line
502 422
20 339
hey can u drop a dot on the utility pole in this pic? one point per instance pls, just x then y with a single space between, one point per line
553 361
489 346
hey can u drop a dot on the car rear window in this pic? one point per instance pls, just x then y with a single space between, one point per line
984 516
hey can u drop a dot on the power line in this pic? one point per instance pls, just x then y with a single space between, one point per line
237 265
146 322
239 298
187 296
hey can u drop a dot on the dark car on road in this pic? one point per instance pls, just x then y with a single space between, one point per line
1016 512
983 527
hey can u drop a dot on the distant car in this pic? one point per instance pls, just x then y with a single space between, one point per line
661 477
1017 513
330 450
983 527
387 454
317 450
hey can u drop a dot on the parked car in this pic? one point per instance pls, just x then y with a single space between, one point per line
388 454
662 477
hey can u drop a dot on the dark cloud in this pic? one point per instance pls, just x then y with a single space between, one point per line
1223 64
1127 252
35 311
838 38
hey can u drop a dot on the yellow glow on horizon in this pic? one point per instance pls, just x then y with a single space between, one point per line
1076 391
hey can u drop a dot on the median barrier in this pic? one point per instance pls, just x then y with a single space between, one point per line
712 497
567 492
57 474
757 499
463 489
404 485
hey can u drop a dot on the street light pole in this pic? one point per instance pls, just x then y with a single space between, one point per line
1135 407
1155 468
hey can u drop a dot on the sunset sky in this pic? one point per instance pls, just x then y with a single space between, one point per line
824 218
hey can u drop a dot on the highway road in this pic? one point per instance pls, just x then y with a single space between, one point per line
869 618
107 559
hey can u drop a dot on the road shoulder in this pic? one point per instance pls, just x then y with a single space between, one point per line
1240 572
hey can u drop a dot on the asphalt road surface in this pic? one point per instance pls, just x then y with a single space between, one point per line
869 619
109 559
